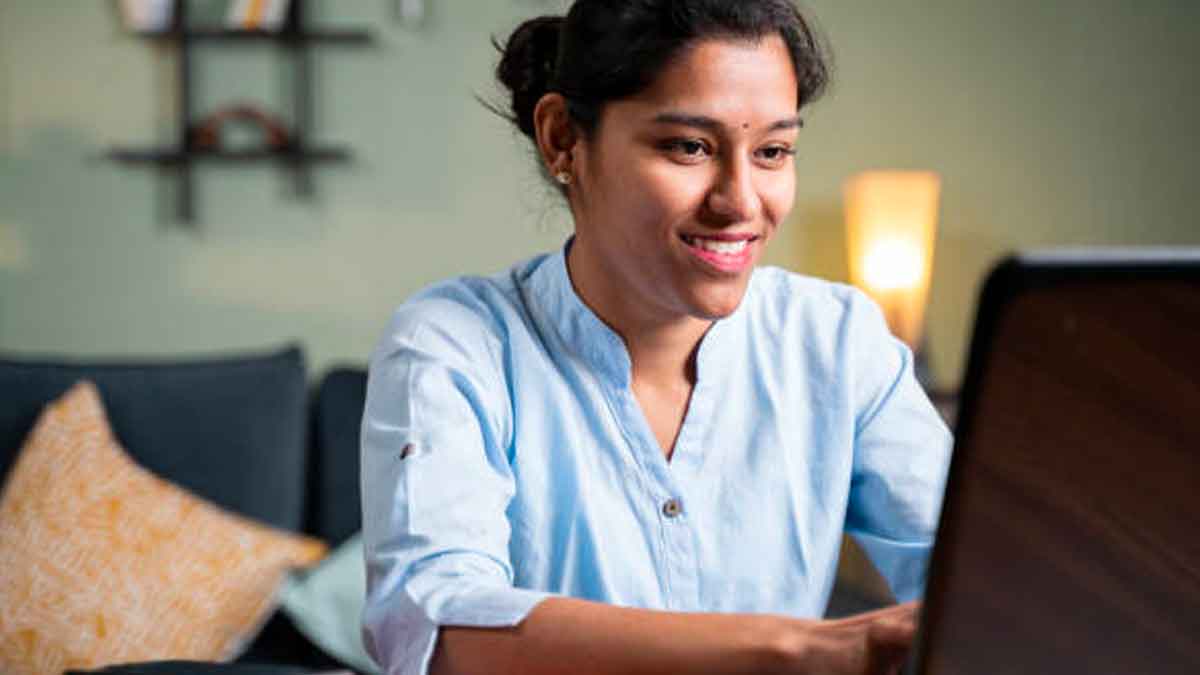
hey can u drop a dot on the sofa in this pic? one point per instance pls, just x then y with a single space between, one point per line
247 432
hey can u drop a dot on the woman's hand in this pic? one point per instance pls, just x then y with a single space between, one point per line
874 643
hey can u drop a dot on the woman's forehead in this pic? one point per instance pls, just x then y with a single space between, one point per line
737 83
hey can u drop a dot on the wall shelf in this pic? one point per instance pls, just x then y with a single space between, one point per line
345 37
173 156
297 155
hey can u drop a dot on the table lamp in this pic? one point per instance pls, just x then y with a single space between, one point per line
891 220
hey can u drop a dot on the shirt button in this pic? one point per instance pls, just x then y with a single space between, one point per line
672 507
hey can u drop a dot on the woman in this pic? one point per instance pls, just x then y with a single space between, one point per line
638 454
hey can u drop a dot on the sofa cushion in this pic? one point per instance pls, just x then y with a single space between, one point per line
104 562
325 603
335 507
232 430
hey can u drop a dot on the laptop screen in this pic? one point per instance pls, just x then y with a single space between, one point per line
1070 532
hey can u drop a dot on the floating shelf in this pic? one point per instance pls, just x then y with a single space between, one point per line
173 156
179 157
343 37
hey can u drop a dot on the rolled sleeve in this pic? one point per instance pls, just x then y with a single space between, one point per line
436 482
901 456
401 628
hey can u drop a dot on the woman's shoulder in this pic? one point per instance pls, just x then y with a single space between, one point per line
829 320
471 310
783 296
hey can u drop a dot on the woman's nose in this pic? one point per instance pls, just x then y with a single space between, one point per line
734 198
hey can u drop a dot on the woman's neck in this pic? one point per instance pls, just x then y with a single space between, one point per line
662 348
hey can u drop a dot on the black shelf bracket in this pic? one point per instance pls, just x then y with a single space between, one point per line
297 155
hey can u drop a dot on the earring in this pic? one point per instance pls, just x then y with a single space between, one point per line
563 177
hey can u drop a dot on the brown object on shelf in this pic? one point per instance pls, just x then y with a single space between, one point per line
206 134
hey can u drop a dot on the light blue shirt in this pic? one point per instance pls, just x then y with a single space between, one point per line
505 459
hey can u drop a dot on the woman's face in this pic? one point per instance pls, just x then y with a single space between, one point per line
681 186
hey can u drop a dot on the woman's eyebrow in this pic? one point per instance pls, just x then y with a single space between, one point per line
713 125
793 122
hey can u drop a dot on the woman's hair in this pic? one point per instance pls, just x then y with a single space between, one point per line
604 50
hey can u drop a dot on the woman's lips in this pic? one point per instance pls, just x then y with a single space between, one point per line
725 253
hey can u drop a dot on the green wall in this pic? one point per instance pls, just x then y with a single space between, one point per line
1052 123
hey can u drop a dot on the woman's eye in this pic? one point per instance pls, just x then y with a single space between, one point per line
689 149
776 154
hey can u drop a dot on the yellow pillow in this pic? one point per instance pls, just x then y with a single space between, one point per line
102 562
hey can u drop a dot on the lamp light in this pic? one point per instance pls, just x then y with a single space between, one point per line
891 220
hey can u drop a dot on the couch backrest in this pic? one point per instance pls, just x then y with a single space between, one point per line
233 430
335 511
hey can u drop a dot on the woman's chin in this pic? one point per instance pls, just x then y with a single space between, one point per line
717 303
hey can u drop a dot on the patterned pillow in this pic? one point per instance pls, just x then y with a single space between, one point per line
103 562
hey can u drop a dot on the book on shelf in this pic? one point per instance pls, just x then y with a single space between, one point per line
251 15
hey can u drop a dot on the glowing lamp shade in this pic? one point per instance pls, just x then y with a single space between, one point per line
891 221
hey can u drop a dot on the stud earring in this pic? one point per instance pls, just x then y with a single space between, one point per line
563 177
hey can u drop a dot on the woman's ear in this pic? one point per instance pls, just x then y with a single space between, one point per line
556 135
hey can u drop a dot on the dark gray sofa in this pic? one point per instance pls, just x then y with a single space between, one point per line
247 432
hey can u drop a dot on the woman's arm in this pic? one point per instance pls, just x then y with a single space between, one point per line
901 455
564 635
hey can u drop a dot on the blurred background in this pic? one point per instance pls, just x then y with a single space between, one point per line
1063 123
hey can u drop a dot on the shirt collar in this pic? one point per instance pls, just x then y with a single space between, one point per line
589 339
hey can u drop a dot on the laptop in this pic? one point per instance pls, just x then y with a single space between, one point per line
1069 539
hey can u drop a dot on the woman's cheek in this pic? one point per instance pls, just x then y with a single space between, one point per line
678 189
780 198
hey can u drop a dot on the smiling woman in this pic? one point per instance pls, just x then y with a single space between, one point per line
638 454
674 198
676 195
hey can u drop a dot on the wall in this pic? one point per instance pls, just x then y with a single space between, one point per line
1052 123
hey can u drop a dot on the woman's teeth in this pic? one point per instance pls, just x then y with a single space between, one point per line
724 247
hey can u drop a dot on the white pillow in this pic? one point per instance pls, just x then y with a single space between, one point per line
326 604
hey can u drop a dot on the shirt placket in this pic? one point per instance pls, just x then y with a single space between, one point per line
684 473
677 556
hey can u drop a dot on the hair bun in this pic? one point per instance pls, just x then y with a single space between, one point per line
527 66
